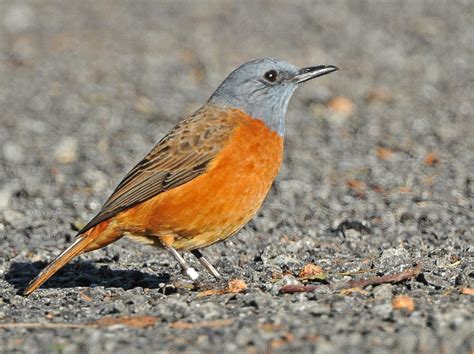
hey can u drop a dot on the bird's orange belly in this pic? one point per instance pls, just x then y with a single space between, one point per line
217 203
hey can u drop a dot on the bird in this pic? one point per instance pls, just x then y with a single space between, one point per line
207 177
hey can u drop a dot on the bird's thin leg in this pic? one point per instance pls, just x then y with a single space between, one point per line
190 271
206 264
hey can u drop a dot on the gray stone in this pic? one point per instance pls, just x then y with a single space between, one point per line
13 152
18 18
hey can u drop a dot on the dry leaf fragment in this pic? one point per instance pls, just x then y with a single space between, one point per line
467 291
403 302
234 286
356 186
431 158
311 271
384 153
341 105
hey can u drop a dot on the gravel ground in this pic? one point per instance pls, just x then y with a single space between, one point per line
86 89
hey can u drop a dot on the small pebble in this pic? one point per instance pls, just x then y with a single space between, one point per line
66 150
13 152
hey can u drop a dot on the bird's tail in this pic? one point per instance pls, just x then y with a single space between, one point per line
79 246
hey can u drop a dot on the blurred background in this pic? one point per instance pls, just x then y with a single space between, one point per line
87 88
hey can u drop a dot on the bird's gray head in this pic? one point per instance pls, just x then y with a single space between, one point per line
262 88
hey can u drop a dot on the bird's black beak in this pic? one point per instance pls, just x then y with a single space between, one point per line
312 72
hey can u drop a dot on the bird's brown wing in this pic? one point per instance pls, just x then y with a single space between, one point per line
182 155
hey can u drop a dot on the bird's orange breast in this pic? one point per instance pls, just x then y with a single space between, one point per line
220 201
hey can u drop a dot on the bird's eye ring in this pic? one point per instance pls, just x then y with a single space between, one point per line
271 76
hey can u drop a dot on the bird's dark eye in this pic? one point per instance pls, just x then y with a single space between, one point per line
271 76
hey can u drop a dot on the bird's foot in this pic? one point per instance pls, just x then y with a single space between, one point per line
191 273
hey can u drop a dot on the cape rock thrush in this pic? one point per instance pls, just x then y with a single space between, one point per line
208 176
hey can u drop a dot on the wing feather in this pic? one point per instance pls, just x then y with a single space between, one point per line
182 155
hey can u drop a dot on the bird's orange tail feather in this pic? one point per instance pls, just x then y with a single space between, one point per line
76 248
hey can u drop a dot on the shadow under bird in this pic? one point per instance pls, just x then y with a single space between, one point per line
207 177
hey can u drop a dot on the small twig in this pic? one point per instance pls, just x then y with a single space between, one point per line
362 271
359 283
40 325
202 324
390 278
299 288
137 322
